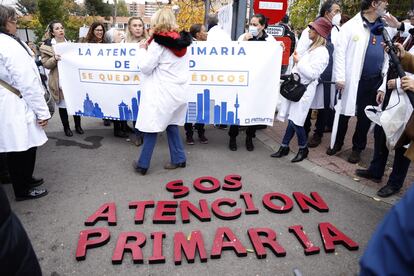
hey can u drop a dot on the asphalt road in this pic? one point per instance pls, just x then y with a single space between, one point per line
85 171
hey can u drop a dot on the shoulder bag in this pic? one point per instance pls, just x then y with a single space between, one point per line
291 88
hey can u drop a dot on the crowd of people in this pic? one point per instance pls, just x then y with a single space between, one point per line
334 59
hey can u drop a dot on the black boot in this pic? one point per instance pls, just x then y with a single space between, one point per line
63 113
283 151
302 154
249 143
232 144
118 132
78 127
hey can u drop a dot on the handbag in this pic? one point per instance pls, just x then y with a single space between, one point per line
48 97
291 88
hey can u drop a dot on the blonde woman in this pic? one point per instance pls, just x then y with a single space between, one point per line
309 67
164 64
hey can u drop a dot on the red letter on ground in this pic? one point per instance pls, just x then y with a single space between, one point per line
232 243
315 201
267 202
215 206
176 187
269 240
250 208
140 212
84 243
203 214
163 210
331 235
198 184
310 249
232 182
189 247
138 241
157 256
106 212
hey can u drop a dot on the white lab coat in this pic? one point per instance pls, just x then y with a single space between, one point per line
349 56
19 130
163 96
310 67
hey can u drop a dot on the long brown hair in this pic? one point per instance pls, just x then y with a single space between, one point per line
90 37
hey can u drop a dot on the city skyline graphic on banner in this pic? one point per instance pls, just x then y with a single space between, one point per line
91 109
204 110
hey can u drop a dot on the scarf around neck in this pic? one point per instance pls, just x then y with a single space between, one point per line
174 41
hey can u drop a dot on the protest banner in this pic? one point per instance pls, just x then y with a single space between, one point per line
229 82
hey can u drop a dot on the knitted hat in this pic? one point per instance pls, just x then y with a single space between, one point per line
322 26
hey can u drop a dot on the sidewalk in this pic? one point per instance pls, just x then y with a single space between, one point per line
338 163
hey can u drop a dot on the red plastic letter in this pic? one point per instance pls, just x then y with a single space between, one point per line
165 212
122 245
157 256
176 187
331 235
250 208
140 212
310 249
189 247
261 237
106 212
84 243
232 243
232 182
203 214
198 184
315 201
267 202
215 207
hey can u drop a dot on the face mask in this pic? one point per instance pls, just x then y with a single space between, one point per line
336 20
253 30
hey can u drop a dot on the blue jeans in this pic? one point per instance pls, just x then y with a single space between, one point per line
174 142
290 131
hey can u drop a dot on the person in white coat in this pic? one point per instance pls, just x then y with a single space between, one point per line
309 67
22 119
164 63
360 67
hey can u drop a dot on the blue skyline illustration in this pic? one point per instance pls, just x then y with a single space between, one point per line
126 113
205 111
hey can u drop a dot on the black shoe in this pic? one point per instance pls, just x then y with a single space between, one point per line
203 139
121 134
367 174
232 144
79 129
106 122
171 166
333 151
302 154
249 144
189 140
283 151
314 141
138 169
387 191
32 194
35 182
355 157
138 141
68 132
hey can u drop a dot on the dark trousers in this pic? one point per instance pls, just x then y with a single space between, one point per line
64 117
189 129
366 95
17 256
4 171
234 131
21 166
324 119
379 160
291 129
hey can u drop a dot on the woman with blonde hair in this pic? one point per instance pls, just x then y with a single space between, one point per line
309 67
164 64
135 31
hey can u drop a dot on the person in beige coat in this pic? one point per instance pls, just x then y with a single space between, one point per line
56 34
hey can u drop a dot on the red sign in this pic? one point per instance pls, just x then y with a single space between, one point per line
286 52
274 10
